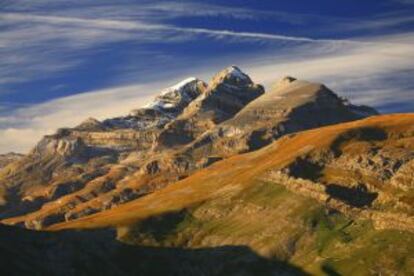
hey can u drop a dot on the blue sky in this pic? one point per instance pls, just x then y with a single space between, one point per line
63 61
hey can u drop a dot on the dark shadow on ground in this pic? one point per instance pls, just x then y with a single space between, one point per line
368 134
358 196
24 252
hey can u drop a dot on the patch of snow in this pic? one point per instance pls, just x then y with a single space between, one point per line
167 104
153 104
177 87
173 96
160 105
236 72
132 122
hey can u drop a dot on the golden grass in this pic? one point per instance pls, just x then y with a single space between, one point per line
232 173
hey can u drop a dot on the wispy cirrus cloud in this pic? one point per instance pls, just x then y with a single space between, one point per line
405 2
40 37
46 39
37 45
123 25
378 73
367 73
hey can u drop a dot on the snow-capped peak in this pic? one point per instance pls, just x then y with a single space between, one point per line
179 86
173 99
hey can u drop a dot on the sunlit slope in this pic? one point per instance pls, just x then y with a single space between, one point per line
328 144
330 201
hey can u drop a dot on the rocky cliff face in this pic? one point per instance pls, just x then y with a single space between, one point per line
8 158
100 164
290 106
228 92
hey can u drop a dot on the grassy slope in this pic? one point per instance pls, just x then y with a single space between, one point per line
228 204
278 224
235 173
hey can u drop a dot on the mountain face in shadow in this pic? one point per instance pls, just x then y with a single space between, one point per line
25 252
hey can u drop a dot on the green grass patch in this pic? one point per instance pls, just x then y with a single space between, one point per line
264 193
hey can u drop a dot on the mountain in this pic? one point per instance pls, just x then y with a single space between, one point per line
99 165
217 178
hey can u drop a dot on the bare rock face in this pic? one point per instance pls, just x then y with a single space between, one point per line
291 106
8 158
60 146
228 92
404 176
100 164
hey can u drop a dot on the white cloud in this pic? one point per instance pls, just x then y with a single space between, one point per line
355 72
350 60
375 73
39 38
38 45
25 126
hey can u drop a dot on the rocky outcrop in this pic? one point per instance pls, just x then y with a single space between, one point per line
403 177
60 146
321 193
227 93
365 172
8 158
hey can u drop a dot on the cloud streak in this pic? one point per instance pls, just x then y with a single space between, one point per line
36 43
361 73
20 130
378 73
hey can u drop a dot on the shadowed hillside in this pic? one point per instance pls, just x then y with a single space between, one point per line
97 253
